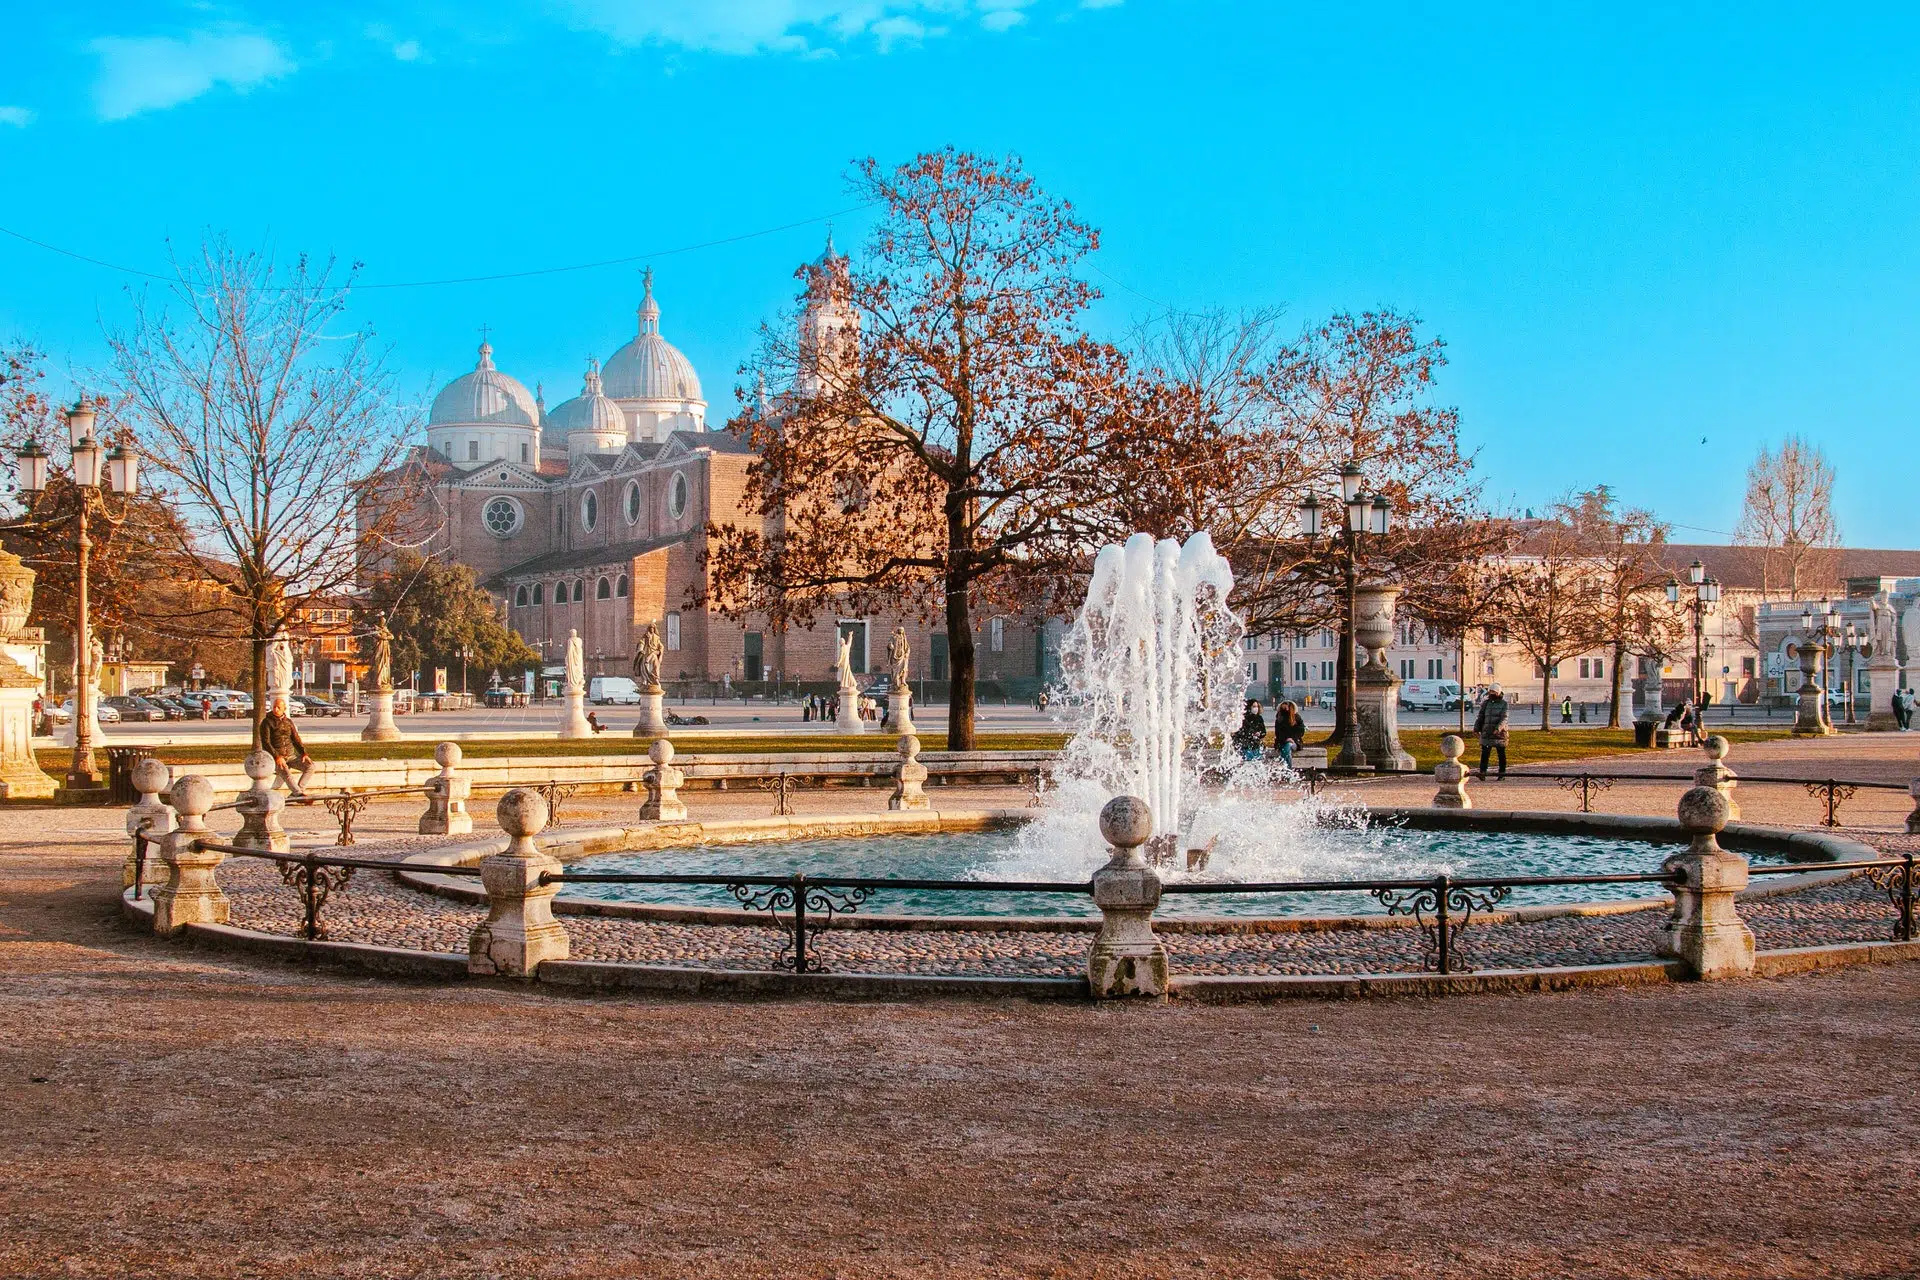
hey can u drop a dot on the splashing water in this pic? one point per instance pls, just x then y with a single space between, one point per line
1154 661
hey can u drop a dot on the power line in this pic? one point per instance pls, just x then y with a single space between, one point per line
503 275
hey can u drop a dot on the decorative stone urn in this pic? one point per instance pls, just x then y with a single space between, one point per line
20 775
519 931
1705 932
1376 707
1810 716
1450 776
1126 958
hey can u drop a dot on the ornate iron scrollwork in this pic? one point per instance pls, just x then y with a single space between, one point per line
1441 909
800 910
345 807
782 785
556 794
1835 794
1588 785
1897 883
315 882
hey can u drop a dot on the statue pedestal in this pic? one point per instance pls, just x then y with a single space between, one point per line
380 725
900 711
573 720
1883 678
653 714
1810 718
849 710
20 775
1376 710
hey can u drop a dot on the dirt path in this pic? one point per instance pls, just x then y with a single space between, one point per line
181 1113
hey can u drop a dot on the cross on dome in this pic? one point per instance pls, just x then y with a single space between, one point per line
649 309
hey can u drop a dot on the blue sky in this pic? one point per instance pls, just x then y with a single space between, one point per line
1653 241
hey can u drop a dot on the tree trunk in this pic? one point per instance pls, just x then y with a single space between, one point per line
259 647
960 662
1613 700
1546 697
1460 678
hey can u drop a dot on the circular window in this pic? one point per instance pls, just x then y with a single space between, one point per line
633 502
589 510
677 495
502 517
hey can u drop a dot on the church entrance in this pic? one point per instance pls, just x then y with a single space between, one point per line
755 659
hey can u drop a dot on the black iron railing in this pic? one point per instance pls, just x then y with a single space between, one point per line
316 878
1892 876
1587 784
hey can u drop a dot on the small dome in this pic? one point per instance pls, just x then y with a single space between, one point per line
484 397
650 367
589 411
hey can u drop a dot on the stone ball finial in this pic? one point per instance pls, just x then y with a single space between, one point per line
192 796
447 755
522 813
661 752
259 765
1704 811
1717 748
1126 822
150 776
909 746
1451 746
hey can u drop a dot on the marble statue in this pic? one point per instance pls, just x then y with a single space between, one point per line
382 673
1881 633
647 657
898 652
279 664
845 664
576 664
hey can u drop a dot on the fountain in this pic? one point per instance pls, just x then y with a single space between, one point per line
1153 662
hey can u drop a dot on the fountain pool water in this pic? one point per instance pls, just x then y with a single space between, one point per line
1385 852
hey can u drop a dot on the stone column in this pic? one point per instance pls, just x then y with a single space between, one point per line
663 802
1810 717
1126 958
653 713
900 711
1376 689
519 931
1715 774
1705 932
191 894
909 777
1451 776
149 815
259 808
573 715
447 794
1883 681
380 725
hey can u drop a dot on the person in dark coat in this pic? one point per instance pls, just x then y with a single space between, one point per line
1251 736
1491 726
280 738
1289 731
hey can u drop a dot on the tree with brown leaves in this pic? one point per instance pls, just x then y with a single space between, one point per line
937 414
1788 514
1556 607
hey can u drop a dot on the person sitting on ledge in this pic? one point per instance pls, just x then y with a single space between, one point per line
593 723
1251 736
280 738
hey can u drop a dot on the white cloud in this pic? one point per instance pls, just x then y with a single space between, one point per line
151 73
783 26
18 117
403 50
407 50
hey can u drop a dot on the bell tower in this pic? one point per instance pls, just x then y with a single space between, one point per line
829 326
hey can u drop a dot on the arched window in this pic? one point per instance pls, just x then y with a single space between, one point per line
620 587
579 590
589 511
632 502
520 597
539 593
677 494
603 590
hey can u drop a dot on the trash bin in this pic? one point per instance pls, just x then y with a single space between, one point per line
120 762
1643 732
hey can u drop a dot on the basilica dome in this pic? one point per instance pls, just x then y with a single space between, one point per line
588 423
650 367
485 397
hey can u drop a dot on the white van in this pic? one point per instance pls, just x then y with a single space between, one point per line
1429 695
607 691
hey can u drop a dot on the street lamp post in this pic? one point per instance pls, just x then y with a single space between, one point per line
121 477
1816 666
1365 515
1702 594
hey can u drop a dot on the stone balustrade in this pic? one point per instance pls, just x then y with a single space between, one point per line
1705 932
259 807
909 777
1126 958
519 932
1450 776
663 782
191 893
149 815
446 813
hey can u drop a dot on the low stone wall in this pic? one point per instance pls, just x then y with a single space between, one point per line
623 772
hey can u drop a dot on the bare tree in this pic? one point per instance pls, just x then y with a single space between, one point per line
1556 608
261 420
1789 513
1624 547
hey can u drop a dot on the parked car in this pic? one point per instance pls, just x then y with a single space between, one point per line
132 707
317 706
105 711
1429 695
228 704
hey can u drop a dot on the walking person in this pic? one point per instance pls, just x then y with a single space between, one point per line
1289 731
1491 726
1566 708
